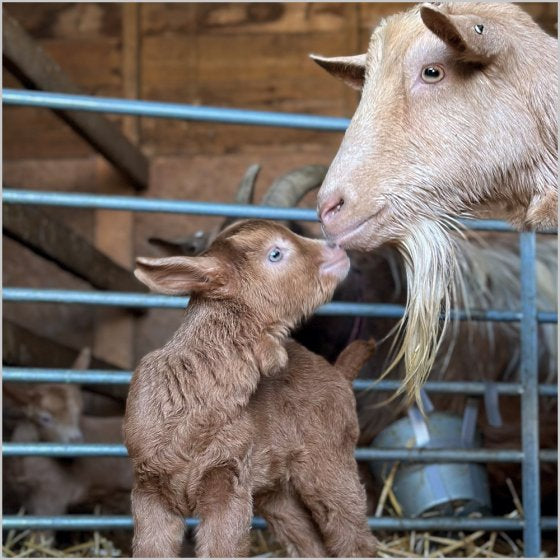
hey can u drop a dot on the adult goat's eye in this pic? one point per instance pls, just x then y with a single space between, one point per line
433 73
275 255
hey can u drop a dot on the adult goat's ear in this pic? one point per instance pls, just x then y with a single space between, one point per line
350 69
181 275
472 37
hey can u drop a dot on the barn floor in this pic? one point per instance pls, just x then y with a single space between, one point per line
415 544
479 544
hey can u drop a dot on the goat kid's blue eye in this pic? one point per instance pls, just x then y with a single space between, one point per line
275 255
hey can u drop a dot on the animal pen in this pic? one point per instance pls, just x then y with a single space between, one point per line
530 456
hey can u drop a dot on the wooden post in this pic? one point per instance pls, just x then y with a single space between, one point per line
114 231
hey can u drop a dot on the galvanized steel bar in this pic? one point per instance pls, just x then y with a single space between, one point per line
57 375
168 206
111 522
224 115
454 387
134 204
42 449
529 400
138 300
450 455
362 454
122 377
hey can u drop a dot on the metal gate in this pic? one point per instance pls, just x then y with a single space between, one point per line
528 390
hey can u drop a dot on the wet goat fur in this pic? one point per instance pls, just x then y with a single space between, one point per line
232 414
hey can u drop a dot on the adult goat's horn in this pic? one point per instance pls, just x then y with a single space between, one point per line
246 188
245 191
289 189
199 241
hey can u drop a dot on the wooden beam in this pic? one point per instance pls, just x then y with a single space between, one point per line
36 69
131 52
59 243
114 334
114 235
22 347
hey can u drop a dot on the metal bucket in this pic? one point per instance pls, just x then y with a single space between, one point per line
436 488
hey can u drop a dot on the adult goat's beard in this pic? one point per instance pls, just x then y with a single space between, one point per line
434 275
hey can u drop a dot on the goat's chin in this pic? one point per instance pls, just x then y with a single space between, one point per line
372 233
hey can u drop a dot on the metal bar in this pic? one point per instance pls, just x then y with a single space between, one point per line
25 58
109 522
122 377
453 387
134 204
114 202
201 113
59 375
362 454
450 455
64 449
137 300
529 400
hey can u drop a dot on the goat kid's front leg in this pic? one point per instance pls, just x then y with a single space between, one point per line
158 531
225 507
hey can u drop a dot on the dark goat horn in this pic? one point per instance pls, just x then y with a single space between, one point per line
289 189
195 244
245 191
246 188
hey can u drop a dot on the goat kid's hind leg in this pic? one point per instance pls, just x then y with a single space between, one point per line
225 507
158 531
291 524
337 500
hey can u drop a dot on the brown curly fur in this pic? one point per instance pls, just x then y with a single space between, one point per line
230 413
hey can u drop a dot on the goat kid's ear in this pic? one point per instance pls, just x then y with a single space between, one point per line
181 275
83 359
472 37
350 69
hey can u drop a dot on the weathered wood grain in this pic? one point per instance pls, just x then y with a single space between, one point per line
34 68
71 251
22 347
25 348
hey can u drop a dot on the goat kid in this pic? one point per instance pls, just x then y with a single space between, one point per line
231 413
48 486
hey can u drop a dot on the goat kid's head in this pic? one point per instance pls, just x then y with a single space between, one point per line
54 408
280 276
452 119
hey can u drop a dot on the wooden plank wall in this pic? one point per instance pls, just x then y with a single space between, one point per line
251 55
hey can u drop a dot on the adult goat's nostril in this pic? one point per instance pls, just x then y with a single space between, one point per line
331 208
